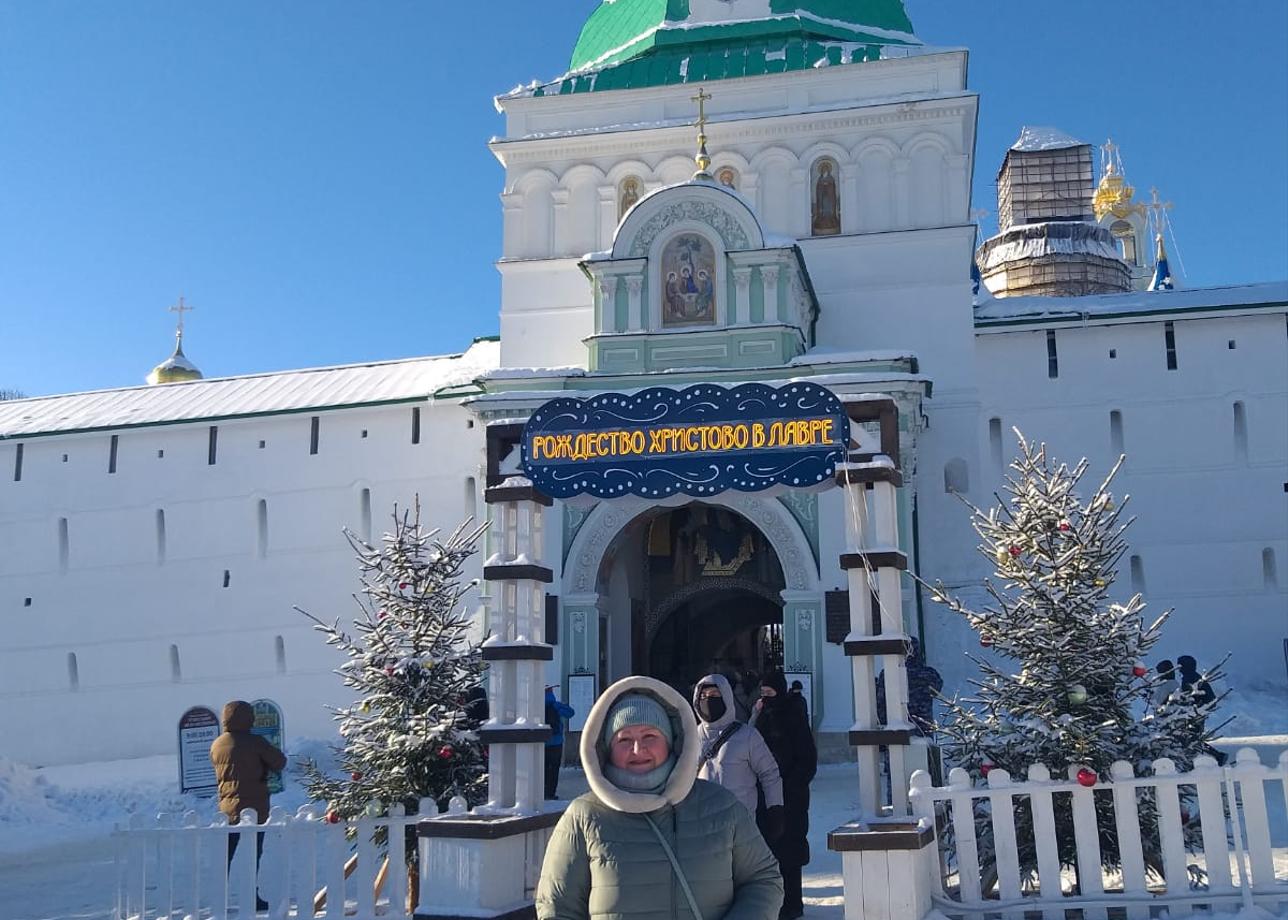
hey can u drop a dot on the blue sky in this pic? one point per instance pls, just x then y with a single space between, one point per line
313 174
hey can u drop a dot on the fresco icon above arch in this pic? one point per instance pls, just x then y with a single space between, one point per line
688 279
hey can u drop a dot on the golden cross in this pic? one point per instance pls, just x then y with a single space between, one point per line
181 309
701 99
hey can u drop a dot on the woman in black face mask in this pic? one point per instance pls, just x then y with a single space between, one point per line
786 729
734 755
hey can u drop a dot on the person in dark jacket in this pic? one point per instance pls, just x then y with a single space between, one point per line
924 684
476 706
1192 681
787 733
242 762
556 712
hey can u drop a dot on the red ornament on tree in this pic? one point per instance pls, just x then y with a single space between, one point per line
984 769
1065 526
1087 777
1139 671
390 670
332 818
445 752
985 641
402 584
356 777
1014 551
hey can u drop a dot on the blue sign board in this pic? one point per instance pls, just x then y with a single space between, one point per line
269 725
699 441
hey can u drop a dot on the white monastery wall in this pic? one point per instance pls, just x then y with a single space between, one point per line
198 610
1210 539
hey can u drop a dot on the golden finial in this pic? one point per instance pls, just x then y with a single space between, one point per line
177 368
1113 194
703 159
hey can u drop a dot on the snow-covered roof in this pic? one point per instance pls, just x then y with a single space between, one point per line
255 394
1039 138
1009 310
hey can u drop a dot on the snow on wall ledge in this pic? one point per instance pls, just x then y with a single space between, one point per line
1270 294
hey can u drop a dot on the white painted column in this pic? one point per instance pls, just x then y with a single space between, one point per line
850 221
749 188
515 651
902 208
635 313
957 188
740 309
512 224
559 197
608 304
800 209
769 282
607 215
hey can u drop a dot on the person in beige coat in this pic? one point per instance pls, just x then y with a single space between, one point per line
651 841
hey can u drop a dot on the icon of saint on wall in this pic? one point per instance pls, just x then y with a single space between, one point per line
630 195
688 281
826 209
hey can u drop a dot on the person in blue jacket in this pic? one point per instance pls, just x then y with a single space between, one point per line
556 712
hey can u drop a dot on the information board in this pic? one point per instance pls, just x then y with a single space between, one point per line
699 441
269 725
581 697
198 728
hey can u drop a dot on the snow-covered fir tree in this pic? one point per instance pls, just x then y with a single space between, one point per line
408 734
1078 696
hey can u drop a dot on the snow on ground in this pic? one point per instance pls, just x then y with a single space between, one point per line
56 855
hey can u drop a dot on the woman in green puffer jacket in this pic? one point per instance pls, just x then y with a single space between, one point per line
605 859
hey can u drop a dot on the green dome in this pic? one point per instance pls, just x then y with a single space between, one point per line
622 30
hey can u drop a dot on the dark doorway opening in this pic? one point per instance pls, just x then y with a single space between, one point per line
730 631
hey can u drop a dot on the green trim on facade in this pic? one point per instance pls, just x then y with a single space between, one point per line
803 506
730 347
605 381
716 60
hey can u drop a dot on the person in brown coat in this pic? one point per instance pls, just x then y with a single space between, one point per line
242 763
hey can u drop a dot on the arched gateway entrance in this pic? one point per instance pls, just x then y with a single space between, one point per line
698 589
678 589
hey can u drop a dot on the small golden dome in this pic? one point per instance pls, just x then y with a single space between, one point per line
176 368
1113 194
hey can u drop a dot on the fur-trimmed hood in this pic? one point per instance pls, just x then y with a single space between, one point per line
721 683
684 730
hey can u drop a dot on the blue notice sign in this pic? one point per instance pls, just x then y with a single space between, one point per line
699 441
268 724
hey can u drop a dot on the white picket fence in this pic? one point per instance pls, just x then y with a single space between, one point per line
176 866
1233 811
